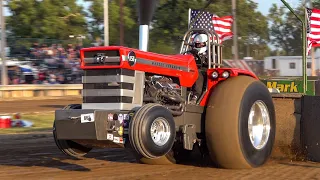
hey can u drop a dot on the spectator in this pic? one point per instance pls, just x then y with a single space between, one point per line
16 80
41 76
52 78
54 63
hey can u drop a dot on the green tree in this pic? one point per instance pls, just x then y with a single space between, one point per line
316 4
96 10
286 29
96 26
132 33
171 21
46 19
252 29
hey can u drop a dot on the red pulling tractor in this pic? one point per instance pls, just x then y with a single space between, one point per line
143 101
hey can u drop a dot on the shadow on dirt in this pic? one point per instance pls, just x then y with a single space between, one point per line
51 162
194 158
38 149
112 155
53 106
29 150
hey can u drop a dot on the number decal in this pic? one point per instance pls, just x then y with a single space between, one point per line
87 118
132 58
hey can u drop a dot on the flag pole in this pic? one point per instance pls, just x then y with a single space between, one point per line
304 42
235 38
4 77
106 22
189 18
304 53
304 47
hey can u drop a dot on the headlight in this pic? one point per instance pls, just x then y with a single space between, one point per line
225 74
214 74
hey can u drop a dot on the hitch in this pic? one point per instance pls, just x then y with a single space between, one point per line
189 136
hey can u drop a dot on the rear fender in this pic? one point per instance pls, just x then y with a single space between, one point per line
212 83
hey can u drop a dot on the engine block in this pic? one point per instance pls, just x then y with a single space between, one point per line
163 90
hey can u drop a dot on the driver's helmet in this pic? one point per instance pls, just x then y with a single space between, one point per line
200 43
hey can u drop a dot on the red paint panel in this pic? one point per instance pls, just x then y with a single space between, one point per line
212 83
186 78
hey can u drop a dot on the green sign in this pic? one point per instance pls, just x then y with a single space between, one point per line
290 86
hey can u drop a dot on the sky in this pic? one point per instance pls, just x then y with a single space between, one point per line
85 4
264 5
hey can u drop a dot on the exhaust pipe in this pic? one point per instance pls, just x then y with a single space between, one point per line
146 10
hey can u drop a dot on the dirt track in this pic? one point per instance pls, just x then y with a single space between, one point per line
35 156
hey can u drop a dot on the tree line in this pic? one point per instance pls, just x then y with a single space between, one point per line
58 19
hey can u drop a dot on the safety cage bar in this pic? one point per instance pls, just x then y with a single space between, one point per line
213 61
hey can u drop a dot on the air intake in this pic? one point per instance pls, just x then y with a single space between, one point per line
146 10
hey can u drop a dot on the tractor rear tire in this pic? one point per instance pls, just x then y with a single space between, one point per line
228 115
144 148
69 147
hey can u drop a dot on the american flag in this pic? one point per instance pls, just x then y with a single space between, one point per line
221 25
313 28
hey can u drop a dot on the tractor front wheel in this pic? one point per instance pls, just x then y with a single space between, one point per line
69 147
152 134
240 123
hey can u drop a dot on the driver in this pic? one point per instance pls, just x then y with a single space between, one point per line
200 47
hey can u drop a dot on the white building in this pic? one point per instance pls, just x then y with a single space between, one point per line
290 65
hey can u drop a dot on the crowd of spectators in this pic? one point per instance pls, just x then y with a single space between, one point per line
55 51
50 65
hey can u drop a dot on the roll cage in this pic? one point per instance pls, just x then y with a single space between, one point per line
214 49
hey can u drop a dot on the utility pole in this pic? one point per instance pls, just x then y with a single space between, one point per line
235 38
121 23
4 76
106 22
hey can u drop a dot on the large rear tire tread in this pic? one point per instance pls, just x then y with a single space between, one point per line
68 147
226 123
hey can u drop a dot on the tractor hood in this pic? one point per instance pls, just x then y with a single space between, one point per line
118 57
